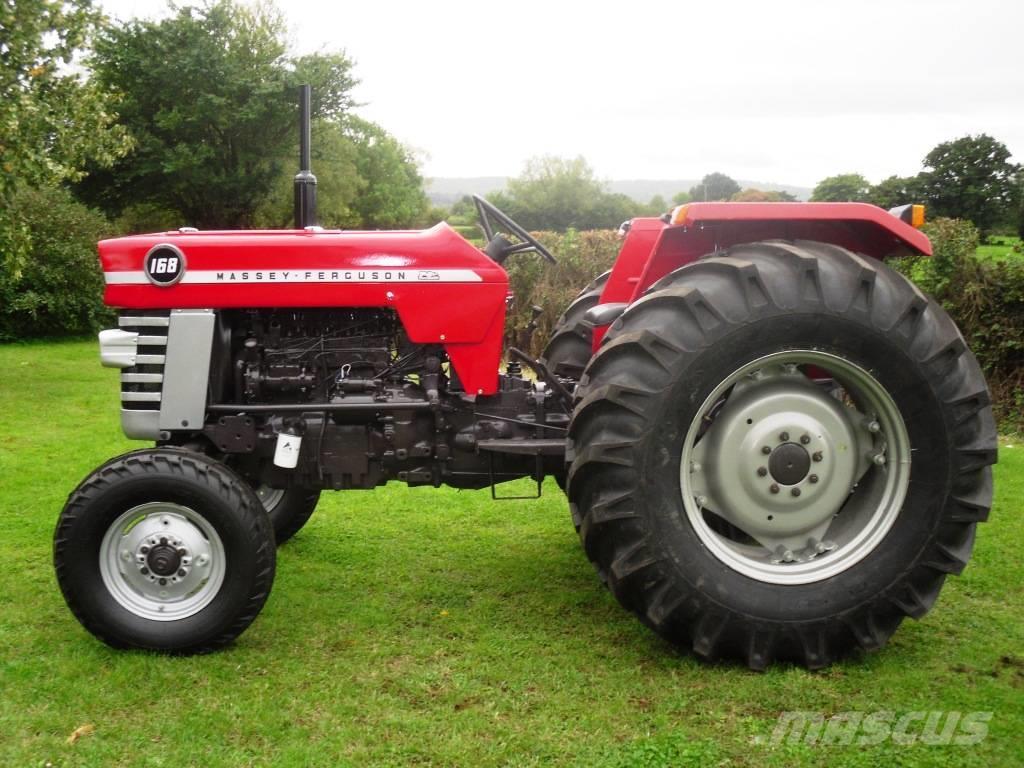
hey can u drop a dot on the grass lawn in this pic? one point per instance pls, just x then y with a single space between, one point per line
1000 249
420 626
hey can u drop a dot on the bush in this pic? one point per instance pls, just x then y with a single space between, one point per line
582 256
53 286
986 300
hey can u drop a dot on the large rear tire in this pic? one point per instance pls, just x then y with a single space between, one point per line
164 549
570 347
779 453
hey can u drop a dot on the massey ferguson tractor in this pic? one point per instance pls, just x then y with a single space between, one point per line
774 446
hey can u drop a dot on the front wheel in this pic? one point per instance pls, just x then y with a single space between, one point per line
779 453
164 549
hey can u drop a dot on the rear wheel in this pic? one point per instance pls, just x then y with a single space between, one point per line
164 549
289 508
779 453
570 347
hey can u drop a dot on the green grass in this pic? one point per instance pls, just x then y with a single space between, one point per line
1000 249
420 626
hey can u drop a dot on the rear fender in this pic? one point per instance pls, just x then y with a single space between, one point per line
653 247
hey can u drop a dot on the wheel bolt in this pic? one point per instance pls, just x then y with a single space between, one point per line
773 488
766 450
816 456
784 436
761 471
813 478
795 491
805 439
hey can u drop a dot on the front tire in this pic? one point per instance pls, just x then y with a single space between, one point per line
779 453
164 549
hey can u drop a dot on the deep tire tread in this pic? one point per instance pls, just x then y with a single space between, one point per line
633 369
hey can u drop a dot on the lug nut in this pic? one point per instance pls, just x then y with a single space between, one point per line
873 426
805 439
773 488
766 450
182 551
761 471
784 436
182 572
163 582
795 492
816 456
144 571
878 459
144 550
813 478
702 501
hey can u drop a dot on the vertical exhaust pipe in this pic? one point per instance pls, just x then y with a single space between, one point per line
305 181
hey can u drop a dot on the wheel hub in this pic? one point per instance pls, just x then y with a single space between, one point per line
164 559
779 456
789 463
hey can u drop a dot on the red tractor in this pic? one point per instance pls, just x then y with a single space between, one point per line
774 446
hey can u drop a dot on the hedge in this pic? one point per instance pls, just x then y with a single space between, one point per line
50 281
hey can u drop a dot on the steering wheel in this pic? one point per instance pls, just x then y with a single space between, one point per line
486 211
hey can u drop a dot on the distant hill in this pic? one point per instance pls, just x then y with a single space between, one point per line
446 190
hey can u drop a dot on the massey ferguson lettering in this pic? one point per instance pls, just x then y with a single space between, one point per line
159 266
309 276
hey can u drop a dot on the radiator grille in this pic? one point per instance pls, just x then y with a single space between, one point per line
142 383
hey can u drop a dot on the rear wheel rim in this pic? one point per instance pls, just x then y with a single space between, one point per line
162 561
790 481
269 497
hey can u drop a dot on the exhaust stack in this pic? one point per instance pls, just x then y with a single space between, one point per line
305 181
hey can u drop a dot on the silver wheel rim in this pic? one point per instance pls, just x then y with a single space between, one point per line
269 497
162 561
790 480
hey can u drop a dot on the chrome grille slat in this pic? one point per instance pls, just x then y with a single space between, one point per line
142 378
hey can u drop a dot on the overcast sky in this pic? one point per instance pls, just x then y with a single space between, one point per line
780 91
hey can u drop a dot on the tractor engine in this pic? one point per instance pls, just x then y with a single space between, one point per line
363 404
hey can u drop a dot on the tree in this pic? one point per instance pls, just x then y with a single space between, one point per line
555 193
897 190
971 178
393 195
844 188
51 121
209 97
681 198
752 195
714 186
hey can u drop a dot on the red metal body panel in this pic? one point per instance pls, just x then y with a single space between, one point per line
444 289
653 248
